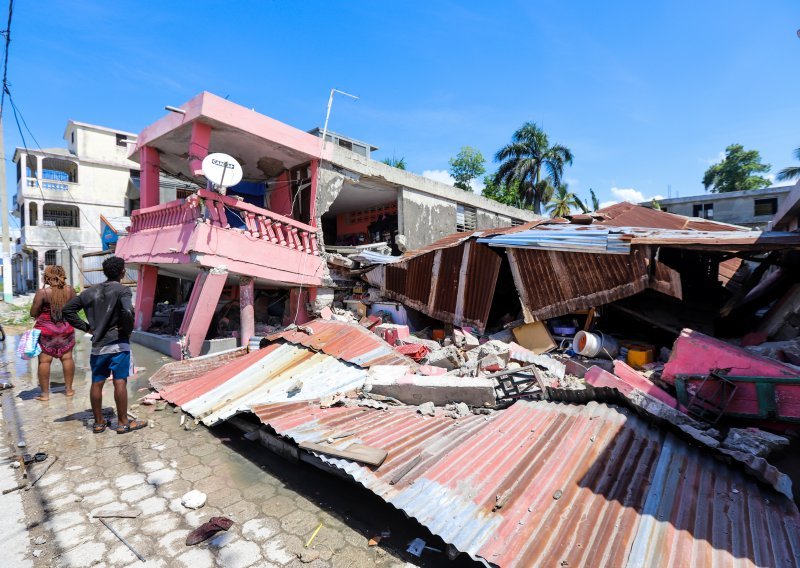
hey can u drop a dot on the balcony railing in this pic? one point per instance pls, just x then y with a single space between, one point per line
259 223
49 184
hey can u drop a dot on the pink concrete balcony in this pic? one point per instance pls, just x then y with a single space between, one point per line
185 235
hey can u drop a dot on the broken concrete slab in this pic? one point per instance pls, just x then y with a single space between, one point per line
441 390
427 409
493 362
753 441
637 380
578 365
465 340
429 343
457 410
446 357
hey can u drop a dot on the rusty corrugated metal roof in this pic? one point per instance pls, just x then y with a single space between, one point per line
438 282
278 373
631 215
548 484
554 283
346 341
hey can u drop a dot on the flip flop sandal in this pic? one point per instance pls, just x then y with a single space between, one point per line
208 529
131 426
27 459
39 456
101 427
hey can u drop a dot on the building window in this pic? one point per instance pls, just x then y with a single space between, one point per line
359 149
56 172
60 216
345 144
50 258
33 214
516 222
466 218
121 140
765 206
72 137
704 210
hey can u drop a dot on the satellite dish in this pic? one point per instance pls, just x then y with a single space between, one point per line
222 170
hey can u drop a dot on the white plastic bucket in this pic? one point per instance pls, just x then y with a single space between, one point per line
595 345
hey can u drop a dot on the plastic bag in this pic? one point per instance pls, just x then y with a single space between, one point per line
28 346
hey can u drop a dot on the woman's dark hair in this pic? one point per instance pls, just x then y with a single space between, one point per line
114 268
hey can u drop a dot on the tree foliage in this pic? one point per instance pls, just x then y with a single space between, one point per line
507 194
792 172
467 165
737 171
399 163
562 201
533 163
595 201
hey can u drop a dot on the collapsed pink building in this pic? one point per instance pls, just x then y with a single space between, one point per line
269 234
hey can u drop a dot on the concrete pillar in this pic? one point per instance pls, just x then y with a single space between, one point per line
198 146
149 184
312 215
247 315
200 310
297 311
145 296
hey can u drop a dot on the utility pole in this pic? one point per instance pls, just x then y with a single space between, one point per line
8 293
328 114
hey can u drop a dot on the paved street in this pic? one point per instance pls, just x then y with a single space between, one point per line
276 505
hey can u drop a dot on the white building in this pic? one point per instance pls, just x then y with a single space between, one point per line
61 194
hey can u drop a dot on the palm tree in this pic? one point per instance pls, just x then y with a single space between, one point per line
792 172
595 201
524 159
562 201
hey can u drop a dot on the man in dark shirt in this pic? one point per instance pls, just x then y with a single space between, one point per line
110 313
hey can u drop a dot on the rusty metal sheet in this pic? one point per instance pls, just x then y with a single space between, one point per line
454 284
631 215
346 341
549 484
554 283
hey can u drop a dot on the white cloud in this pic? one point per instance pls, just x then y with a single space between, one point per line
628 194
573 183
444 176
712 161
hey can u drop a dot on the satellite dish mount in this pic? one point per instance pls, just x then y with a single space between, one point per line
222 171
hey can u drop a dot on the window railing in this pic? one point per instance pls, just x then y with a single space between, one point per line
259 223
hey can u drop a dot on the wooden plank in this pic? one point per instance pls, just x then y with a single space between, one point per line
118 514
355 452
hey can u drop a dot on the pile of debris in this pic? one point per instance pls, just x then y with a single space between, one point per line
485 381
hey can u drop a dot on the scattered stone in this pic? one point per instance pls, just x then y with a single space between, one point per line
21 444
40 540
194 499
458 410
753 441
38 552
493 362
427 409
15 465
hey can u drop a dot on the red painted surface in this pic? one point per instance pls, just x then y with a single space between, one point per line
358 222
280 195
635 379
247 314
145 295
149 185
198 146
200 309
297 312
697 354
273 248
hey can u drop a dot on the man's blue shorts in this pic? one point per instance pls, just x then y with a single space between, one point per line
117 365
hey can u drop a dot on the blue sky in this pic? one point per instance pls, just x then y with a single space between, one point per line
646 94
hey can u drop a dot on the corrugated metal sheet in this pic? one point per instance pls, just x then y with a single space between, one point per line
346 341
547 484
179 371
278 373
439 282
552 283
631 215
566 238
